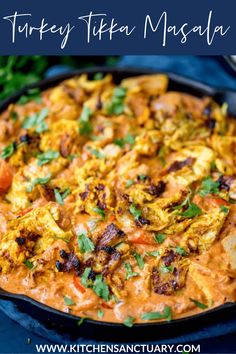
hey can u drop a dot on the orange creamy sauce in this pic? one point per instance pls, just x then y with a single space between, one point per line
134 215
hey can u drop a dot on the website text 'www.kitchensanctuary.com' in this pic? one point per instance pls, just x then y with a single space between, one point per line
116 348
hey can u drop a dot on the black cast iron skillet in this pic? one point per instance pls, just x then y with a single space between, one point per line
92 329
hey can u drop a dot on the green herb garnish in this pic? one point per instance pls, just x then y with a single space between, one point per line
32 95
85 127
129 271
98 76
37 121
167 269
208 186
199 304
85 244
36 181
153 253
181 251
116 106
28 264
129 322
8 151
100 313
47 157
98 154
81 321
151 316
129 183
68 301
161 155
14 116
84 278
139 260
101 288
191 211
224 209
128 139
61 196
135 212
160 238
99 211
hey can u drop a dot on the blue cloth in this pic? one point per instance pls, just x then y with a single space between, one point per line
14 335
206 69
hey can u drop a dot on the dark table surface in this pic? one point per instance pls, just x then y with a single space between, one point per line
15 339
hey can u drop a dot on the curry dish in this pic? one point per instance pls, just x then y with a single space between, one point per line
117 202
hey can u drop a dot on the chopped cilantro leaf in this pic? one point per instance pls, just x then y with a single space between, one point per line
101 288
129 321
99 211
98 154
36 121
150 316
8 151
139 260
128 139
28 264
167 269
142 177
135 212
116 105
85 244
85 127
208 186
47 157
129 183
129 272
199 304
84 278
161 155
181 251
224 209
191 211
100 313
14 116
81 321
160 238
68 301
153 253
36 181
98 76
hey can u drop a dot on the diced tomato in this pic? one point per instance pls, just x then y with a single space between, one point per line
78 285
142 239
217 201
5 176
25 211
209 201
112 217
106 306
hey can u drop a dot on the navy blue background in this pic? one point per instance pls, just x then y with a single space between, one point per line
125 12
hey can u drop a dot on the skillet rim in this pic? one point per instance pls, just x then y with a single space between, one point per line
202 89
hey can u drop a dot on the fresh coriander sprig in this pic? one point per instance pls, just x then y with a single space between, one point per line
151 316
8 151
129 271
37 121
85 244
85 127
208 186
36 181
61 196
47 157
